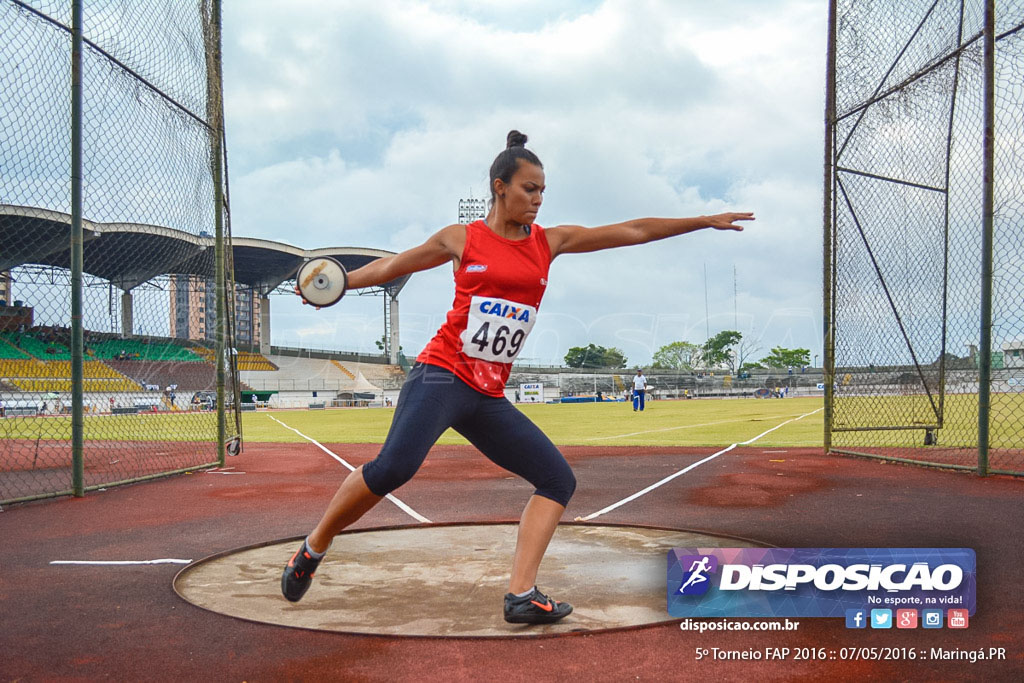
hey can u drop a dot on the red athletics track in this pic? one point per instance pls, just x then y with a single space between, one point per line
126 623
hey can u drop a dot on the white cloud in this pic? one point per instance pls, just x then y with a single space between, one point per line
362 124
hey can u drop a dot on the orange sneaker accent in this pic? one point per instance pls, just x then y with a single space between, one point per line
547 608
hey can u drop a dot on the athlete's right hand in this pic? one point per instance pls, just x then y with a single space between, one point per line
304 302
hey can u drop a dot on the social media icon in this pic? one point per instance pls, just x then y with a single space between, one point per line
931 618
957 618
881 618
856 618
906 618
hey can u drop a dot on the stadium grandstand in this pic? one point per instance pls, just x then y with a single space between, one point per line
124 370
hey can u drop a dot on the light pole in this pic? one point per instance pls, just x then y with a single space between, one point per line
815 360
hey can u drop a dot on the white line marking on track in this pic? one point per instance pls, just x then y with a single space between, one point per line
687 469
166 560
671 429
664 429
402 506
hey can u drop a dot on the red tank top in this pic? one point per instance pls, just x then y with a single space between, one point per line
498 288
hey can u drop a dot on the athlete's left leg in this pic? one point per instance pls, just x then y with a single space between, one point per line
536 527
509 439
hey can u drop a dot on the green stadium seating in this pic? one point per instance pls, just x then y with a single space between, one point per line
9 351
135 349
36 347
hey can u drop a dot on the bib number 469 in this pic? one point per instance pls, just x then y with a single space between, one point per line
504 338
496 329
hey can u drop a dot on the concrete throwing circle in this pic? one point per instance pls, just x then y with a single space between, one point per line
448 580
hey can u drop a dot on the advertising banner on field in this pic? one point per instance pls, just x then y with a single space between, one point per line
531 393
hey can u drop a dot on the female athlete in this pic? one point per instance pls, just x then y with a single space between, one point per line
501 269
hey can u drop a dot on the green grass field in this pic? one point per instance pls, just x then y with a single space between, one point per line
663 423
959 426
141 427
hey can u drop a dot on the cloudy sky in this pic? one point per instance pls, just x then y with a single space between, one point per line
358 123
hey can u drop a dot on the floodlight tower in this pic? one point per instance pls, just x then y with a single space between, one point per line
472 209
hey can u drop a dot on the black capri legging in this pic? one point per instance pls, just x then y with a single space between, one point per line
434 399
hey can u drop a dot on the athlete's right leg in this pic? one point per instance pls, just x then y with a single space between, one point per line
427 405
353 500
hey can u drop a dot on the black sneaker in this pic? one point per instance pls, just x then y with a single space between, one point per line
298 575
535 608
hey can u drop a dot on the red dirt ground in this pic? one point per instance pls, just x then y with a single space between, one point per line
126 623
999 459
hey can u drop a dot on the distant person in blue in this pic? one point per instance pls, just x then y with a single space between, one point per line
639 389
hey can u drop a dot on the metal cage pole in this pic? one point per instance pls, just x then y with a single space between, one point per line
77 345
828 366
987 211
945 223
216 119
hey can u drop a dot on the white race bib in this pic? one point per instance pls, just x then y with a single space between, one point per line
496 329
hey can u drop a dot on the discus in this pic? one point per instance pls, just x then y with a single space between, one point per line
322 281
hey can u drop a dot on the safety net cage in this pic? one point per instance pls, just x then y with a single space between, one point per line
116 293
924 232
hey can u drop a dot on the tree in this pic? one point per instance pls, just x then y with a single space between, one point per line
744 352
717 351
593 356
787 358
954 362
679 355
614 358
382 344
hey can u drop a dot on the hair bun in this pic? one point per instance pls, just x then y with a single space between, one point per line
516 139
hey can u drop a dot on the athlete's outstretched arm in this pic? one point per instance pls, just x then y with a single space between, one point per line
574 239
444 245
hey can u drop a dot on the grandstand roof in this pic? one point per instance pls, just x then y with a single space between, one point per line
129 254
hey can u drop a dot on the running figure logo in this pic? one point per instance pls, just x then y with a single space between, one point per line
696 580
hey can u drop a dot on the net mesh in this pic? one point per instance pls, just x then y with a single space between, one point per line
151 112
907 231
